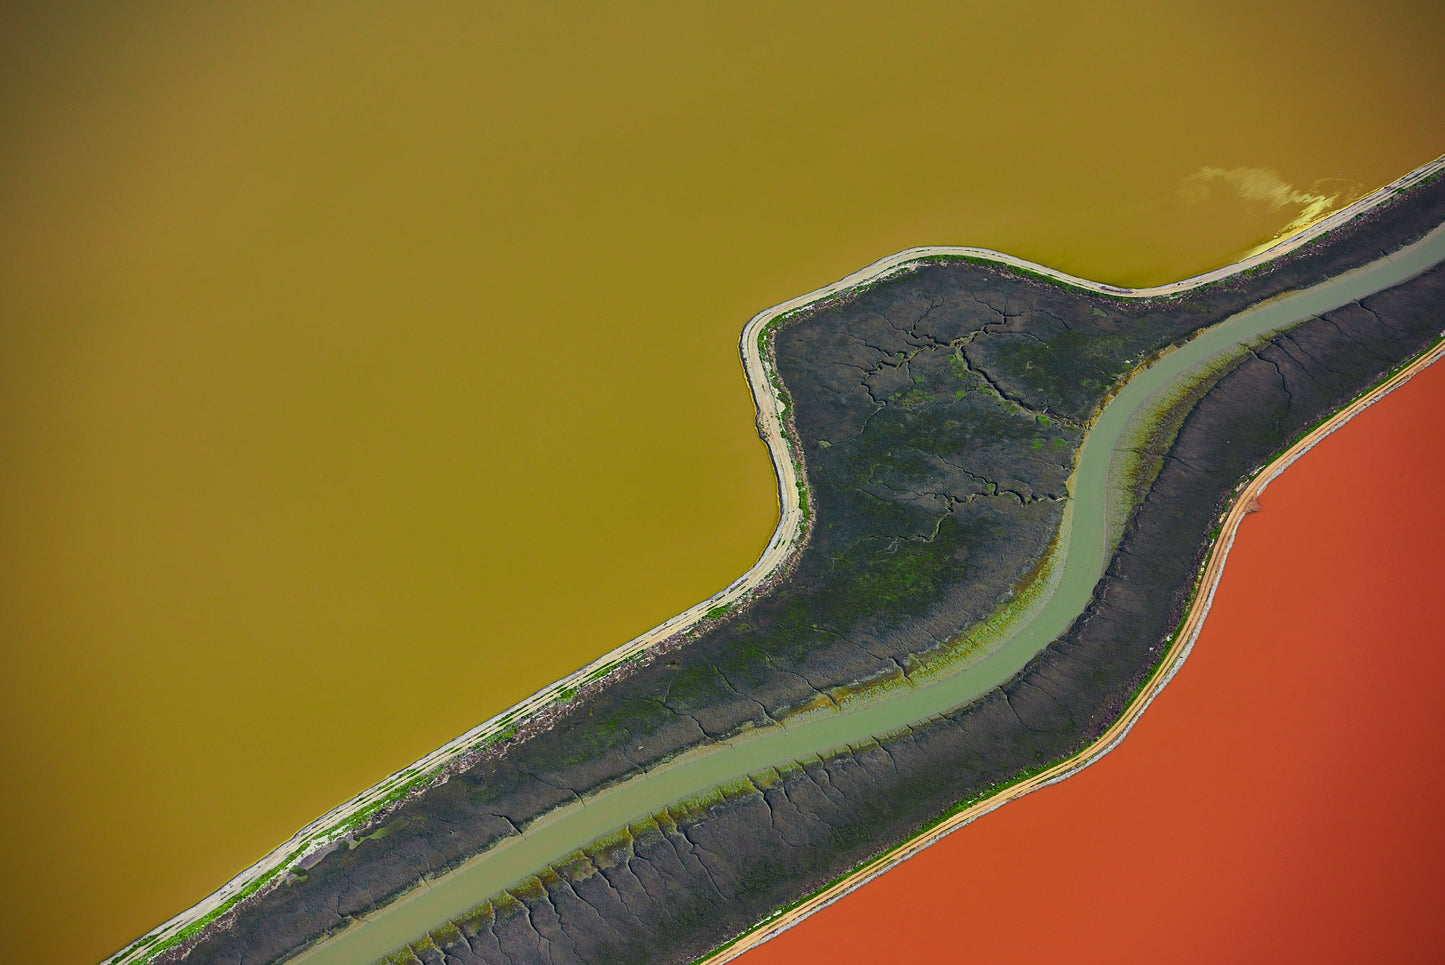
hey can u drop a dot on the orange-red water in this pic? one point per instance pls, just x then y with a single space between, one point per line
1280 801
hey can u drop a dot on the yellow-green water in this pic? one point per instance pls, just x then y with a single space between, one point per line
363 370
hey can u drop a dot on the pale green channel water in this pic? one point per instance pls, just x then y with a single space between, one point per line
1084 550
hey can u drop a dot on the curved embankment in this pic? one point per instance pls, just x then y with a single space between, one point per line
1084 549
1170 664
786 538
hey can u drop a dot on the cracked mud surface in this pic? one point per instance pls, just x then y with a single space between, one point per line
938 415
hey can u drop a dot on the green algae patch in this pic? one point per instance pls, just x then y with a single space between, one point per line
474 922
383 831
